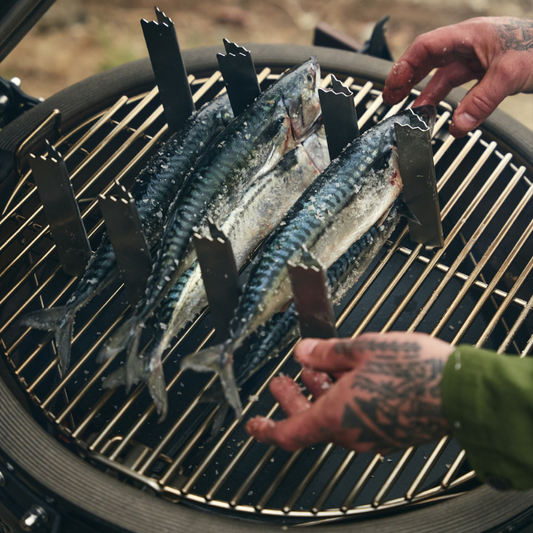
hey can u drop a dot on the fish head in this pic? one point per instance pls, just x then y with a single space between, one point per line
426 113
300 97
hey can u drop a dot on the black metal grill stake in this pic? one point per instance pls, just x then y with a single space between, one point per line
128 240
62 211
339 116
220 276
420 184
238 71
169 70
311 299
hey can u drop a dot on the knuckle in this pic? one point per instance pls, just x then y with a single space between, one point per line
482 101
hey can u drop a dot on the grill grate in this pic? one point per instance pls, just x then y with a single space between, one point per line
477 289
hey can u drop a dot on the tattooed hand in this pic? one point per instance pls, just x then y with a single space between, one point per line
386 396
496 51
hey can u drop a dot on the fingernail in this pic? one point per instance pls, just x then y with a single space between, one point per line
305 347
465 121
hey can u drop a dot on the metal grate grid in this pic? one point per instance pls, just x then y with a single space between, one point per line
476 289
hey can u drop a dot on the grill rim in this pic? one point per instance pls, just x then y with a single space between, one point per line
23 440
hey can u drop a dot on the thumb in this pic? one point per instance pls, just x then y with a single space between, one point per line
332 355
479 103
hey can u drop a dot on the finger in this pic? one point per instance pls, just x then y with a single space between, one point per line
434 49
291 434
316 382
479 103
444 80
287 392
326 355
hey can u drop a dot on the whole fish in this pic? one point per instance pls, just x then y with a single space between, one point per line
342 204
249 148
154 190
281 329
258 213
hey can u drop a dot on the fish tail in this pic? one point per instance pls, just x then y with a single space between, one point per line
60 320
120 340
134 364
157 388
219 359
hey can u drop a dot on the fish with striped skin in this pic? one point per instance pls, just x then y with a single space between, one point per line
250 147
261 209
281 329
154 190
341 205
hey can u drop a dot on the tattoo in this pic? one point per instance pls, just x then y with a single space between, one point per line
347 348
516 35
396 400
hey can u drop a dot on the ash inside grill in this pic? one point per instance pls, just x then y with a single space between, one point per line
477 289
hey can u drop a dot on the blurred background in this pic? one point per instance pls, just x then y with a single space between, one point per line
77 38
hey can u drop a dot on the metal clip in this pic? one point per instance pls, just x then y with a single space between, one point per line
169 69
419 184
128 241
238 71
62 211
220 276
339 116
377 45
311 299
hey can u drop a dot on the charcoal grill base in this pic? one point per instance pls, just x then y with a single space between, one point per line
82 490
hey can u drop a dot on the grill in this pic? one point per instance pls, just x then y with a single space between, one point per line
477 289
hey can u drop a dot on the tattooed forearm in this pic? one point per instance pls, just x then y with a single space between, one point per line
517 35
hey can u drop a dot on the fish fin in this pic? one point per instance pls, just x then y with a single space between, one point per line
115 379
219 359
408 214
158 391
221 415
118 341
60 320
134 363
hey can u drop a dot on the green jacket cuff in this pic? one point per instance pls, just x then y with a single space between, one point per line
488 401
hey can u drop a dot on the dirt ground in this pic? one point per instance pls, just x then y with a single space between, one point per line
77 38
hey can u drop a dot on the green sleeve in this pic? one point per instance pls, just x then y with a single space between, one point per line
488 401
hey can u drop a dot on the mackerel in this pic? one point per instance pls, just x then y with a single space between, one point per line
249 148
260 210
350 196
154 190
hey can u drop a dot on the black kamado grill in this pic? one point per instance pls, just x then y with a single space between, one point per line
76 456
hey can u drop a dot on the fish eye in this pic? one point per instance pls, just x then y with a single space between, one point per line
310 78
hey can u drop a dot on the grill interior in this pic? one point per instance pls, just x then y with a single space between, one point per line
477 289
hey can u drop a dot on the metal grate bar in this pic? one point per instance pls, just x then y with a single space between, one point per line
361 482
277 481
399 275
332 483
490 215
528 347
114 133
488 291
460 275
516 326
477 269
369 113
385 488
452 472
236 498
221 479
99 123
452 234
308 478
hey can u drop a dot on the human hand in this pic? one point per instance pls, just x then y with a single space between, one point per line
496 51
387 395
